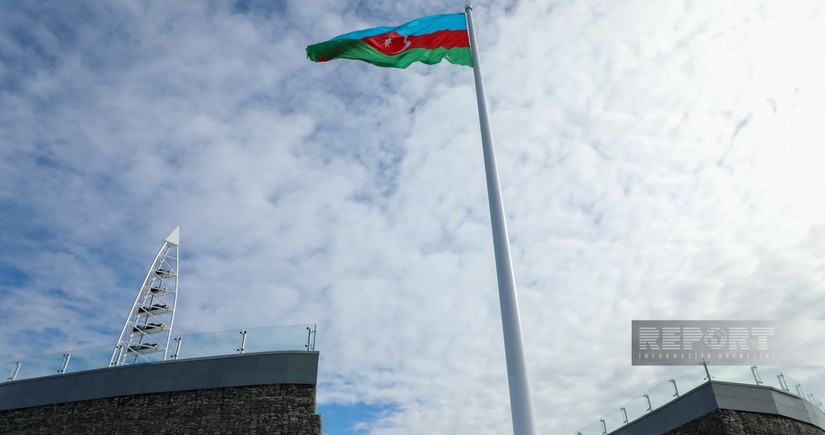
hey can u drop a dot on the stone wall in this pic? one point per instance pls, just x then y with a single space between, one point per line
727 422
284 409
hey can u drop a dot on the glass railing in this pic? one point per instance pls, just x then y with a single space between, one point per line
296 337
688 380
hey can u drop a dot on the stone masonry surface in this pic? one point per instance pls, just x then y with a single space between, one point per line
727 422
285 409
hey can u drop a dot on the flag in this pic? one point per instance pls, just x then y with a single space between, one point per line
426 40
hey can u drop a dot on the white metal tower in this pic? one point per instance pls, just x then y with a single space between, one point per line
148 328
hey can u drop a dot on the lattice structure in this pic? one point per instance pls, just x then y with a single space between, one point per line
148 329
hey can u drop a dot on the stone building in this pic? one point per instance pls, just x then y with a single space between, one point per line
264 392
768 403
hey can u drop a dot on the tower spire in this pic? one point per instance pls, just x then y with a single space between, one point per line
145 335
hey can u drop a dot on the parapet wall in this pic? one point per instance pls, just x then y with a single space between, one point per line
263 409
724 408
730 422
270 392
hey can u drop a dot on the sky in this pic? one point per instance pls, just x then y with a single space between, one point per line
658 160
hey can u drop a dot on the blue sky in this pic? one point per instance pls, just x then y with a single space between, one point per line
658 161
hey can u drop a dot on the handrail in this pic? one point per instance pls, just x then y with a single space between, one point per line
293 337
689 379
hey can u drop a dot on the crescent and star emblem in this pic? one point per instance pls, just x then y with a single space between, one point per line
388 41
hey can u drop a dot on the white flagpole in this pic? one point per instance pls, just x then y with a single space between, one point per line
521 405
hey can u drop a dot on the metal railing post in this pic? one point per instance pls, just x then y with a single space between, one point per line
65 364
707 371
176 353
14 371
782 382
310 338
756 377
676 390
243 342
115 356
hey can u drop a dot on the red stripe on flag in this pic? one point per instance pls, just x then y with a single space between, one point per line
392 43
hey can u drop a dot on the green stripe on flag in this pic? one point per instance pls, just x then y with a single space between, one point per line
360 50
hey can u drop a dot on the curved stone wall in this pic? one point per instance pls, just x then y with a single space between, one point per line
271 392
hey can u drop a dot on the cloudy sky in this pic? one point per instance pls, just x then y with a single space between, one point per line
658 160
